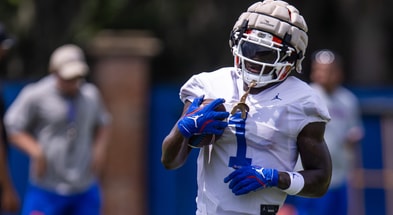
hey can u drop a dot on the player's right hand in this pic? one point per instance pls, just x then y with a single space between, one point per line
203 120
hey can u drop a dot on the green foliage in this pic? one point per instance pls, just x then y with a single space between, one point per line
194 32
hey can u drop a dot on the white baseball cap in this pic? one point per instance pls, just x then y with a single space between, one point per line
68 62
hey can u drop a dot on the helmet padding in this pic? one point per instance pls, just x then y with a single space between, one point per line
278 18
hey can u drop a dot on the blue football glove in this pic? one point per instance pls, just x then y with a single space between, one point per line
251 178
203 120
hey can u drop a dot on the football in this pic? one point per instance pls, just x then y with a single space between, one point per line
198 141
220 107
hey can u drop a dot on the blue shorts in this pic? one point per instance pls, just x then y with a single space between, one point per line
42 202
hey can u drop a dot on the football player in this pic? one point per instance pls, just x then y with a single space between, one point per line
272 118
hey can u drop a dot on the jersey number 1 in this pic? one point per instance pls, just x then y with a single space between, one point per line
240 124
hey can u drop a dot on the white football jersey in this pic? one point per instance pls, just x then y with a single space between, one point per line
267 138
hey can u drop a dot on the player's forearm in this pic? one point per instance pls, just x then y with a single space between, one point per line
317 173
316 182
26 143
174 150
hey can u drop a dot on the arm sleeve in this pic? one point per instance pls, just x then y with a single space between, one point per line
311 109
191 89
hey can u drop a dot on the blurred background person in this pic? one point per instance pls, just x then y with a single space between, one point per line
342 135
60 122
9 199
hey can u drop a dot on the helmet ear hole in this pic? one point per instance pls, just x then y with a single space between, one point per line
291 58
237 33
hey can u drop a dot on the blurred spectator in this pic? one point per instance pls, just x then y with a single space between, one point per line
342 134
60 122
8 196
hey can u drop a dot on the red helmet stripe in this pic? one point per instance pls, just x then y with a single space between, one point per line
277 40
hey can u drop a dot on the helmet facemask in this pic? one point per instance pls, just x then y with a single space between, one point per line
262 57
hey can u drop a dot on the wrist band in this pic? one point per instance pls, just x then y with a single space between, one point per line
296 184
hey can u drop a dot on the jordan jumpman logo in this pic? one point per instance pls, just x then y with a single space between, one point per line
276 97
195 118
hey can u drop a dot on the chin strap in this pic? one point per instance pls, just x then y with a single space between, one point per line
241 105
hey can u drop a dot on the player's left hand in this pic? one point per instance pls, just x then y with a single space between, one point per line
251 178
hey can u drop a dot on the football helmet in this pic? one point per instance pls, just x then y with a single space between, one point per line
268 41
